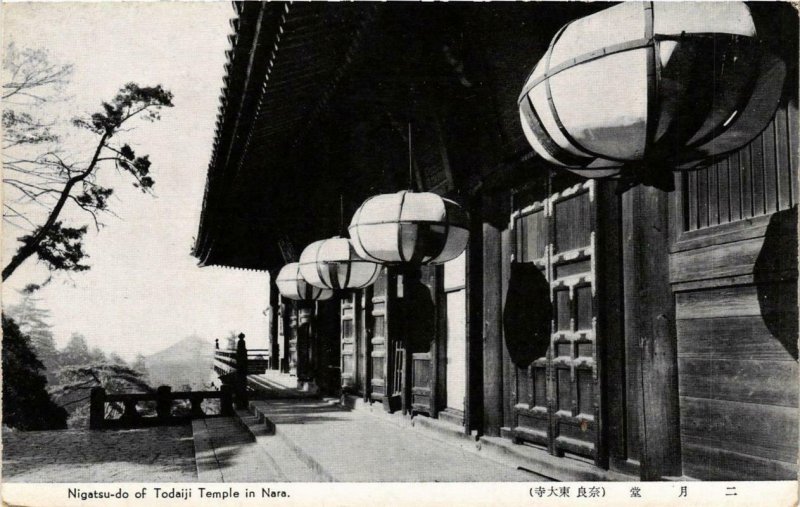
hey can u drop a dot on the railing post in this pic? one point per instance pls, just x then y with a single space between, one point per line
163 403
97 406
197 406
131 415
226 400
241 374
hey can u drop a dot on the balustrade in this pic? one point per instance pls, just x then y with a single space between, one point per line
163 398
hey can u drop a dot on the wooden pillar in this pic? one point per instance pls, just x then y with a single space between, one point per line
611 441
366 327
274 315
492 321
473 406
650 321
304 337
285 335
291 331
507 247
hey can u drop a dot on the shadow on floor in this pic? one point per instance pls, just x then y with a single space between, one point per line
107 455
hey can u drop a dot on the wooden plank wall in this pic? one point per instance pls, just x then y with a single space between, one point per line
751 182
734 279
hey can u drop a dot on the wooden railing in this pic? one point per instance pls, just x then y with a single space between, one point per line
226 361
163 398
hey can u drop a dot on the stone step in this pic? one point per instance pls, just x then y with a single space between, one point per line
227 451
273 387
290 466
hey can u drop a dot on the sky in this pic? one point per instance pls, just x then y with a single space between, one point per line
144 290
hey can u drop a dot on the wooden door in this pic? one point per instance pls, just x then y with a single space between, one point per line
292 355
349 345
456 334
420 337
363 340
379 339
558 394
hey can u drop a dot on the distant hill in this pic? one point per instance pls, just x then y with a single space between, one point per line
187 362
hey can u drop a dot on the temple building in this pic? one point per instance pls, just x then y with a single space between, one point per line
625 306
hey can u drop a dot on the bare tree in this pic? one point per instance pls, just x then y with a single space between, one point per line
30 76
38 172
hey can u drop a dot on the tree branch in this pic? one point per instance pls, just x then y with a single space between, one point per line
97 224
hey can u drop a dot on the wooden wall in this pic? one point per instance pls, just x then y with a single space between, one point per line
733 269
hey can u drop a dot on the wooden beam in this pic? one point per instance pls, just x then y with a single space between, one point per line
650 321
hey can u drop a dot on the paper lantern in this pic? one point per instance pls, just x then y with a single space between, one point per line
291 285
409 228
665 85
333 264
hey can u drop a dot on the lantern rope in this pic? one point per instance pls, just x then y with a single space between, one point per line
341 215
410 162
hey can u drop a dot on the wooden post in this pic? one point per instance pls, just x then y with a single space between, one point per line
293 340
492 330
241 374
131 415
473 406
163 403
226 400
97 408
438 351
650 320
284 335
366 339
274 304
196 401
304 333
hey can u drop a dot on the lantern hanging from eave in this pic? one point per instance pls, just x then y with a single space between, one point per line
661 85
333 264
409 228
292 285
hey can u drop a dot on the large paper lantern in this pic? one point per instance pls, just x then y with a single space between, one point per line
333 264
665 85
292 285
409 228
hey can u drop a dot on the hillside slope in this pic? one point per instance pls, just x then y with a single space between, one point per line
187 362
